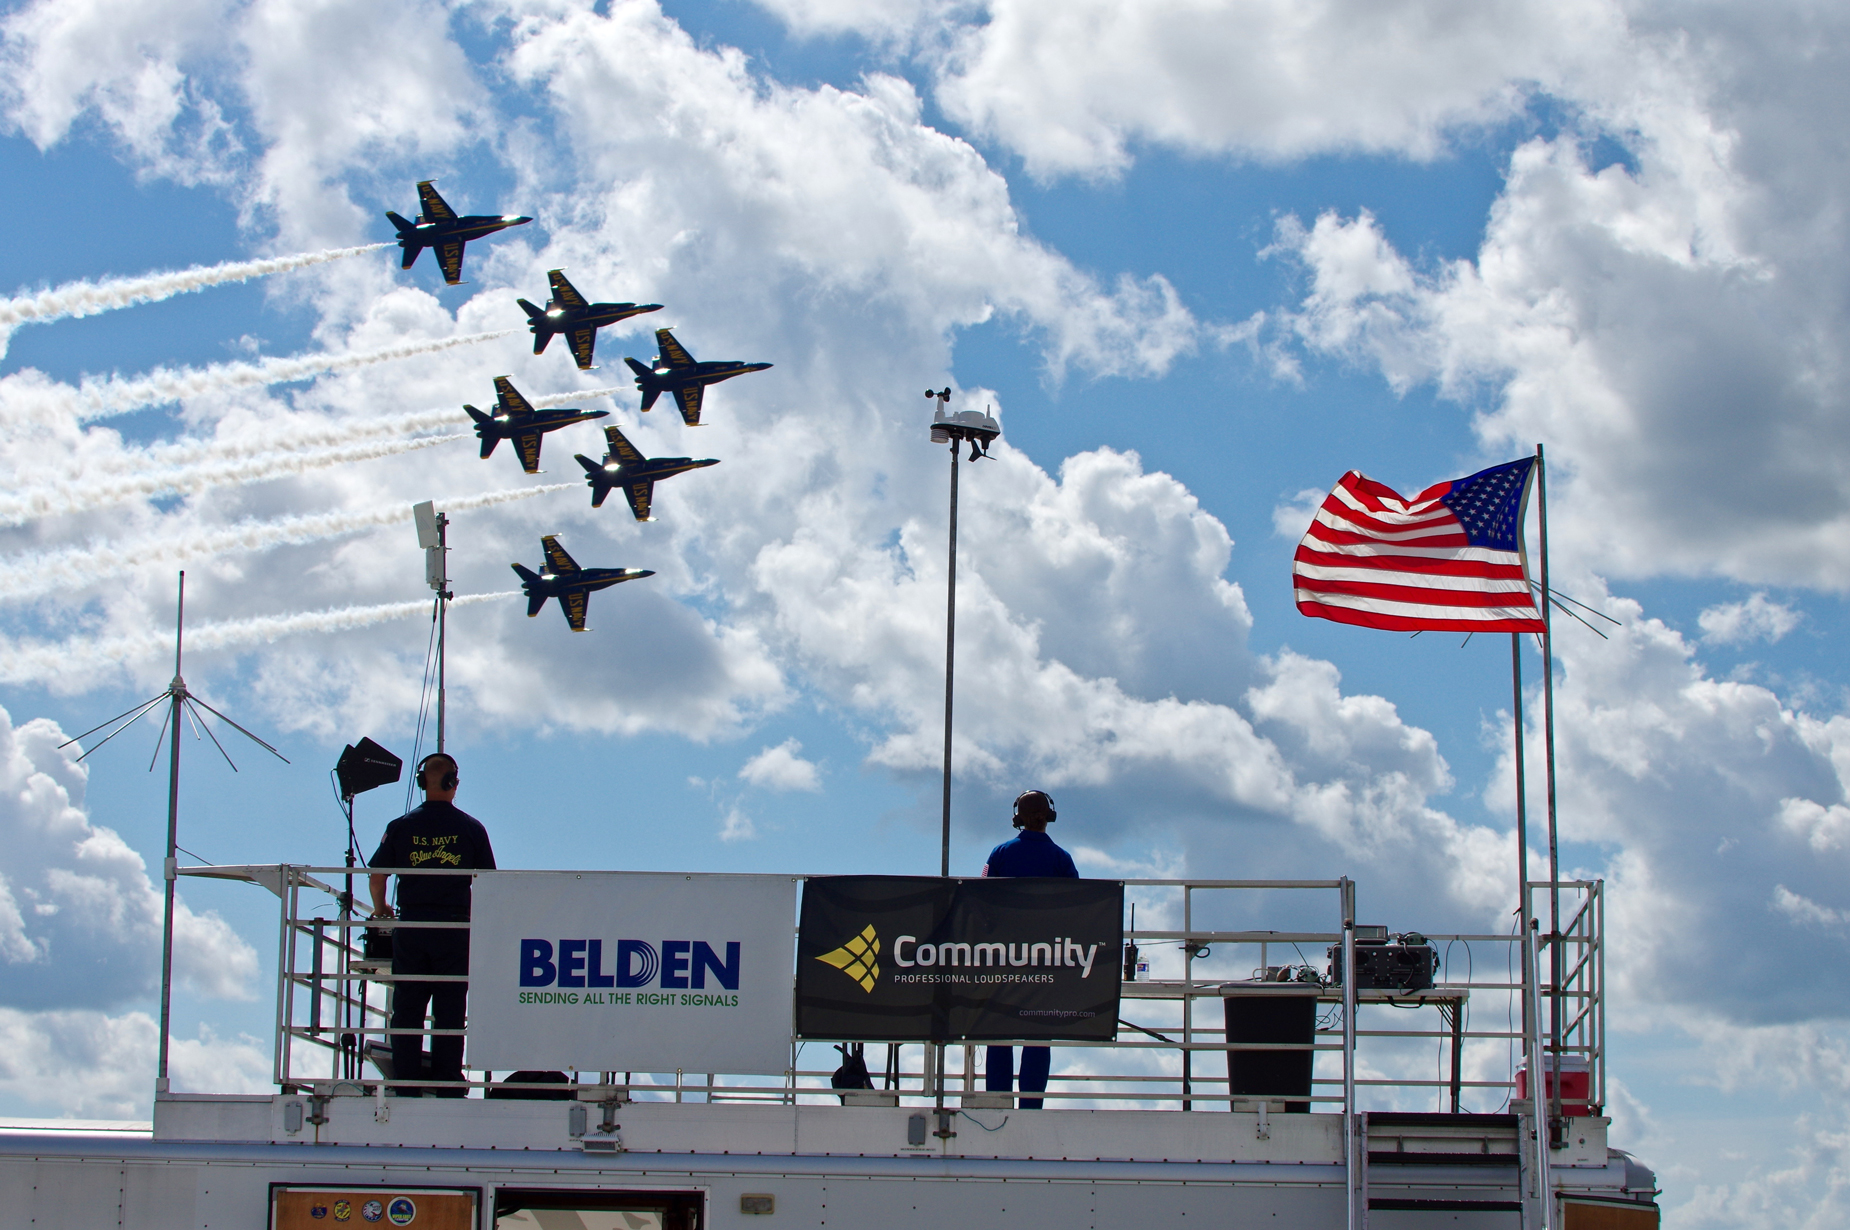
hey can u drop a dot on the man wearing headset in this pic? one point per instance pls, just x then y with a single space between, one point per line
436 833
1031 852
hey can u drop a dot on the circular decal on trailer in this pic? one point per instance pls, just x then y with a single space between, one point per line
318 1212
343 1211
401 1212
372 1210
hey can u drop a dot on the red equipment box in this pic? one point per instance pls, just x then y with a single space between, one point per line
1576 1083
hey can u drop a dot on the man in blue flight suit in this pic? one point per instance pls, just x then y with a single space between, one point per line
436 833
1031 852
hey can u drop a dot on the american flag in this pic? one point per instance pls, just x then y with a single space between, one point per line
1448 560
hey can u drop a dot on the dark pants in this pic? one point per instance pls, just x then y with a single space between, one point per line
999 1072
429 952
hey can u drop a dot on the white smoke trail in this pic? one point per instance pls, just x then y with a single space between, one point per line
110 396
83 494
320 433
42 572
296 433
44 661
89 298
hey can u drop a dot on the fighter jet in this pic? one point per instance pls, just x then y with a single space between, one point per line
625 467
570 584
676 372
567 312
515 419
438 227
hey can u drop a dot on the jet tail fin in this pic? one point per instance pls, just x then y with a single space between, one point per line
594 473
536 321
399 221
528 578
645 380
489 438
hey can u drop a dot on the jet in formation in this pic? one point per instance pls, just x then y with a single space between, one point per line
624 466
571 585
568 313
675 371
515 419
438 227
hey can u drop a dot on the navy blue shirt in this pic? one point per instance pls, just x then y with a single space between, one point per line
1029 853
434 835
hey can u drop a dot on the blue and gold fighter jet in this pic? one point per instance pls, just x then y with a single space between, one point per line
567 312
676 372
515 419
438 227
624 466
570 584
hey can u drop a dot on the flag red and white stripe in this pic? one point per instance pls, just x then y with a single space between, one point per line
1374 558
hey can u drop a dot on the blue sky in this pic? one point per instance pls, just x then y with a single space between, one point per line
1415 256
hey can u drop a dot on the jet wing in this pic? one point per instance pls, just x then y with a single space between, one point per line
674 354
528 443
449 255
574 606
556 559
688 399
563 291
512 403
639 495
584 341
436 209
621 448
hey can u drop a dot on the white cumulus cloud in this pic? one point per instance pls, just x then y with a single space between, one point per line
781 768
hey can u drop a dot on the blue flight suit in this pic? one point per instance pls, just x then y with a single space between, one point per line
1026 854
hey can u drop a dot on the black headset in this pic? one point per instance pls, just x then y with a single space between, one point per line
448 780
1043 796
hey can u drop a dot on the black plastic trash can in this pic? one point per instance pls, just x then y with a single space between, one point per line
1271 1012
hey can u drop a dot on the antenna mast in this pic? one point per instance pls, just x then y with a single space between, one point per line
181 704
434 537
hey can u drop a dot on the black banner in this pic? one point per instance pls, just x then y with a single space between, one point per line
924 959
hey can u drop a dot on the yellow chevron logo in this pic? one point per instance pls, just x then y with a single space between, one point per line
856 958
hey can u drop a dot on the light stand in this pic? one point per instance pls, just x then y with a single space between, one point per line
362 766
183 704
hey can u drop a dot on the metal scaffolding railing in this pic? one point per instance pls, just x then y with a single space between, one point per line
332 1021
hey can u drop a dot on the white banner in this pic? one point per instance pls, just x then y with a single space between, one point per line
616 971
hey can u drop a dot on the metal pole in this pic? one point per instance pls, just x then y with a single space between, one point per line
177 690
1351 1149
950 669
1188 1003
1554 859
1532 974
1522 821
443 608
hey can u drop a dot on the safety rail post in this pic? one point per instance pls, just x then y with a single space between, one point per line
1188 987
314 980
1599 973
1533 1044
279 1059
1351 1147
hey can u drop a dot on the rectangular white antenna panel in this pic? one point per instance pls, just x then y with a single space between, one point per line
425 515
